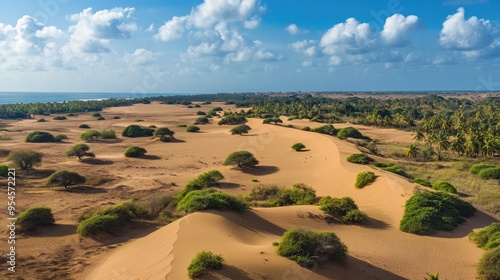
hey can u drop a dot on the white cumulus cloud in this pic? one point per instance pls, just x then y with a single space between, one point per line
350 37
294 29
397 29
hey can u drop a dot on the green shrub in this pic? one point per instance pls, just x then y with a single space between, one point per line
488 268
306 128
41 120
476 168
203 181
209 199
90 135
298 147
116 118
100 118
487 238
80 151
59 118
108 134
232 119
60 137
422 182
137 131
40 137
354 217
204 261
241 159
4 170
303 247
337 206
240 129
430 211
326 129
444 187
182 125
350 132
490 173
33 218
394 168
192 128
5 137
98 224
360 159
135 151
202 120
274 120
164 134
25 159
201 113
95 115
65 178
84 126
364 179
299 194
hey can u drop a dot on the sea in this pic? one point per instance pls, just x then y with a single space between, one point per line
33 97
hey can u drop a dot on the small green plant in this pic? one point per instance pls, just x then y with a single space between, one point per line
202 120
360 159
84 126
135 151
255 180
364 179
33 218
298 147
422 182
116 118
350 132
201 113
303 247
204 261
60 137
306 128
444 187
182 125
354 217
490 173
343 207
5 137
240 129
98 224
100 118
192 128
432 277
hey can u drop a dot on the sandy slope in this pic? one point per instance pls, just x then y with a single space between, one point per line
377 251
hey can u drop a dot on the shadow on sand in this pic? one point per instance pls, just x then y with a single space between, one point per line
56 230
227 272
260 170
96 161
150 157
479 220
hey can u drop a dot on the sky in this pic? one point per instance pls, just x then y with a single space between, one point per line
210 46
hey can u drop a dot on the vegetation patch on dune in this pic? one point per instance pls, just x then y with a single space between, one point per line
350 132
476 168
273 196
25 159
203 181
40 137
209 199
488 268
65 178
428 212
364 179
135 151
487 238
344 208
325 129
306 247
444 187
137 131
241 159
360 159
422 182
33 218
490 173
4 170
204 260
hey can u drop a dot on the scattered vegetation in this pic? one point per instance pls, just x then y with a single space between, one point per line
488 268
345 208
428 212
135 151
65 178
33 218
25 159
273 196
240 129
391 167
350 132
4 170
90 135
203 181
209 199
422 182
182 125
241 159
134 130
80 151
488 237
326 129
232 119
108 134
164 134
364 179
476 168
360 159
5 137
274 120
305 247
192 128
298 147
202 120
444 187
204 261
40 137
60 137
490 173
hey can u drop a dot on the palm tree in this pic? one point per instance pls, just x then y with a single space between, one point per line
412 151
458 144
442 142
419 136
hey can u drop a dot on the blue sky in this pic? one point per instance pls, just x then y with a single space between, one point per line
208 46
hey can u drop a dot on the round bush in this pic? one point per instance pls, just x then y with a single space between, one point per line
476 168
241 159
209 199
100 118
489 268
201 113
98 224
303 246
84 126
350 132
35 217
354 217
337 206
364 179
95 115
298 147
40 137
60 137
41 120
490 173
204 261
4 170
116 118
59 118
192 128
422 182
135 151
444 187
137 131
359 159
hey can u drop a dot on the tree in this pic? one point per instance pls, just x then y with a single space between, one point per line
80 150
65 178
40 137
298 146
242 159
412 151
25 159
134 130
90 135
274 120
135 151
442 142
240 129
164 133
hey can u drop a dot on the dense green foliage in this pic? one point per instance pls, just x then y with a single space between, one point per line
202 120
209 199
490 173
240 129
241 159
476 168
444 187
430 211
298 147
33 218
164 134
25 159
325 129
40 137
4 170
488 268
273 196
90 135
108 134
65 178
134 130
192 128
305 247
422 182
274 120
204 261
80 151
60 137
364 179
343 207
84 126
360 159
96 115
232 118
354 217
350 132
135 151
203 181
488 237
59 118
